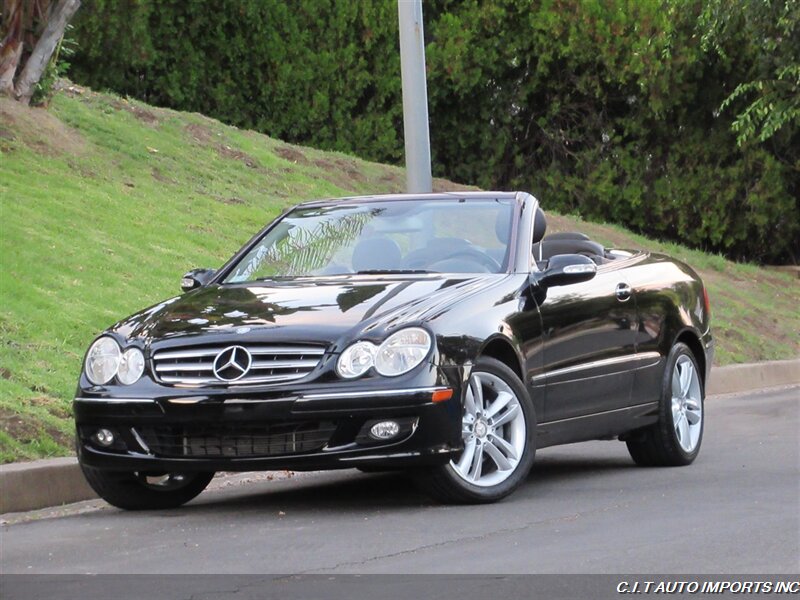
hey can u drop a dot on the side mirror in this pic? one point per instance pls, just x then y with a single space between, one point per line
564 269
196 278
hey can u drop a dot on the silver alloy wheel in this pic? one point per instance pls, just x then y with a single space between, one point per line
493 428
687 406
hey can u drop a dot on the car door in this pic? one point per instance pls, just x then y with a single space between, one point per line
589 345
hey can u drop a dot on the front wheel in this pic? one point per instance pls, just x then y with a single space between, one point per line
498 429
675 439
146 491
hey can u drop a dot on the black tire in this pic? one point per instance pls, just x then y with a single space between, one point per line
444 484
658 445
131 491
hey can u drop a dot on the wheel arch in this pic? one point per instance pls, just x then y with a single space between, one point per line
692 340
501 348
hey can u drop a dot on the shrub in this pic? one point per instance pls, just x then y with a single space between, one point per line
611 110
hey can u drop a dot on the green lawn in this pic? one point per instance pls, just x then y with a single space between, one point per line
105 203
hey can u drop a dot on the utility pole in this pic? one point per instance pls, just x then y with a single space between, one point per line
415 97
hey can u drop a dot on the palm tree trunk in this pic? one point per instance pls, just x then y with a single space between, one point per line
11 46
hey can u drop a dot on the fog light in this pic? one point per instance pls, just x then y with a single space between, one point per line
385 430
104 437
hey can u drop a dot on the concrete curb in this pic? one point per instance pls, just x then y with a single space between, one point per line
52 482
42 483
744 378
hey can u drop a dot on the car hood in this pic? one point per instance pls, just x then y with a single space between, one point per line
320 310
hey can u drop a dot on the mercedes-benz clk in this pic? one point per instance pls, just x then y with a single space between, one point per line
442 334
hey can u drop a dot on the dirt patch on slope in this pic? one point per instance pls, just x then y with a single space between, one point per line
349 169
341 172
26 429
232 153
144 115
325 164
291 154
444 185
53 406
19 427
198 133
39 129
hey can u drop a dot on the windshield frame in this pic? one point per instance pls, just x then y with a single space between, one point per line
520 206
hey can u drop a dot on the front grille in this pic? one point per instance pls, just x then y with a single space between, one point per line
236 440
270 364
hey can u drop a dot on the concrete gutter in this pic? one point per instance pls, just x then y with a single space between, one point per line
52 482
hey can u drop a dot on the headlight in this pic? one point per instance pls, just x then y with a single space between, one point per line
402 351
355 360
131 366
102 361
398 354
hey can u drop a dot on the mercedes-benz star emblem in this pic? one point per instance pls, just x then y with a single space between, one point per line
232 363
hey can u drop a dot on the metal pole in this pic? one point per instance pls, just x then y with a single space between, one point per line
415 97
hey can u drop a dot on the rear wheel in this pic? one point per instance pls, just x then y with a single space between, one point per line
146 491
498 429
675 440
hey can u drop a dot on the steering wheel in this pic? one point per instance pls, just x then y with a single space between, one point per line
473 256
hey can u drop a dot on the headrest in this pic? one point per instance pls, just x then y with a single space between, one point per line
568 235
376 253
539 226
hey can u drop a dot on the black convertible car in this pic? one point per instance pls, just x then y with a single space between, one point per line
445 334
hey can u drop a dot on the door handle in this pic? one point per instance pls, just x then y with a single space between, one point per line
623 292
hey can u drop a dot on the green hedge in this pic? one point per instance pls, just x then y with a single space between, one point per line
608 109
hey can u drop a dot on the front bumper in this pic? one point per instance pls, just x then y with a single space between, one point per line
308 429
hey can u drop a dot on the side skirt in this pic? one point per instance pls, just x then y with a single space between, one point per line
607 424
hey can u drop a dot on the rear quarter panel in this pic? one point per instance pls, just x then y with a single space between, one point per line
670 305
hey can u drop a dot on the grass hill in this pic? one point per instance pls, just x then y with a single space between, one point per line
106 202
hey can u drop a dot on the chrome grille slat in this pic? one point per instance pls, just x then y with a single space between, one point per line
306 350
270 364
188 353
254 350
285 364
190 380
242 381
183 367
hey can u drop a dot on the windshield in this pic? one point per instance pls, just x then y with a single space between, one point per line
404 236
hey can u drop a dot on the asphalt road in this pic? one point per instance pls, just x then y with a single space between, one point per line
585 509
